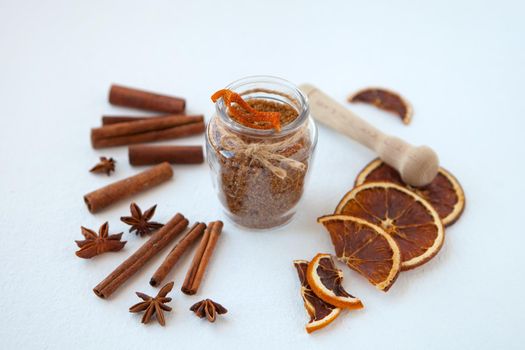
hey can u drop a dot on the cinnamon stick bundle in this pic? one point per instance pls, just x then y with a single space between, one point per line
135 98
158 241
115 119
202 258
176 253
146 155
148 130
105 196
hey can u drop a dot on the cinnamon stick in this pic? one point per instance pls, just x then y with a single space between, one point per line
130 132
115 119
146 155
176 253
140 126
130 97
202 258
150 136
107 195
158 241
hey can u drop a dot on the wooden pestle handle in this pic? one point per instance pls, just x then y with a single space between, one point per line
418 166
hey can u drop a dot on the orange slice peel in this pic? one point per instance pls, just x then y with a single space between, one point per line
246 114
385 99
409 219
444 193
365 248
325 280
321 313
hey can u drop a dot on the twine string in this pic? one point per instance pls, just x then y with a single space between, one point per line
265 153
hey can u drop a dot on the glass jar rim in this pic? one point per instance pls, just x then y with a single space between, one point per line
304 109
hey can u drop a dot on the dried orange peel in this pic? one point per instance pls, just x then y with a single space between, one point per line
365 248
321 313
444 193
384 99
325 280
246 114
409 219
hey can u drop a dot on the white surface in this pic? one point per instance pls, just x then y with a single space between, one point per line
461 64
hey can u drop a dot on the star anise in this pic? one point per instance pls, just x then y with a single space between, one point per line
153 306
209 309
97 244
140 222
104 166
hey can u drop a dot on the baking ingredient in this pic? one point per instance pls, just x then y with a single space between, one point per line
110 194
209 309
202 258
365 248
321 313
245 114
325 280
387 100
175 254
140 222
444 193
135 98
106 165
157 242
260 179
115 119
408 218
147 130
154 306
94 244
148 155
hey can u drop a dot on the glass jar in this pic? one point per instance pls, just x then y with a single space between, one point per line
260 174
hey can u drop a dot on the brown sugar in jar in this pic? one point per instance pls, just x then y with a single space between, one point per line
260 174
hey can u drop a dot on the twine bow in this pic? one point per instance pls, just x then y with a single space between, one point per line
265 153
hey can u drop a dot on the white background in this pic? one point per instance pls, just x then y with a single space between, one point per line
461 64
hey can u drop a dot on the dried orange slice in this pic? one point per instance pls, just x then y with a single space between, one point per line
325 280
444 192
321 313
386 100
408 218
365 248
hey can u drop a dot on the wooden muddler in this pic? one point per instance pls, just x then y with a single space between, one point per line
418 166
158 241
129 97
146 155
105 196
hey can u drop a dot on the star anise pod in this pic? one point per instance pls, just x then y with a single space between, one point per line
209 309
153 306
97 244
140 222
104 166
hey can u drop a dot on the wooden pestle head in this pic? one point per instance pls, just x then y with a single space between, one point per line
419 166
